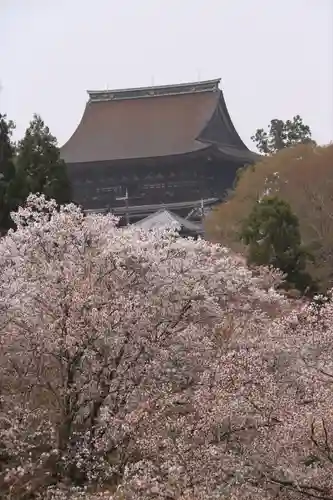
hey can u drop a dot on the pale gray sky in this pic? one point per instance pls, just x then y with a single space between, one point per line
275 57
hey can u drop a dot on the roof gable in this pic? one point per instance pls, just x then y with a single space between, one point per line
163 219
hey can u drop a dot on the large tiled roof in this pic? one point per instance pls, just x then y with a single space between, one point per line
153 122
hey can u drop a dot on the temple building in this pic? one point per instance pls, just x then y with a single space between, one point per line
136 151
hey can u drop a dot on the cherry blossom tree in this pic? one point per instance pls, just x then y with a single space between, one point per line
139 365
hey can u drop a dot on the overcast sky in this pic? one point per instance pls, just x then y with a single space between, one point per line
275 57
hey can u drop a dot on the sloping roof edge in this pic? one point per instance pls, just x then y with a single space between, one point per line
221 124
165 219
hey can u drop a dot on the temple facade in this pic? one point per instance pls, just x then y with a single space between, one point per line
137 150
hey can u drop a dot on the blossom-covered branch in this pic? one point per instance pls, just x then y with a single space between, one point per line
138 365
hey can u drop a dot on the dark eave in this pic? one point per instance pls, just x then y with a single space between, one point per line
138 211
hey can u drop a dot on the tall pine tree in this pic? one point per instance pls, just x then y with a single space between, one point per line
39 166
282 135
7 173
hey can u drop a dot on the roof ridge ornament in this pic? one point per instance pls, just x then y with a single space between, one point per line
154 91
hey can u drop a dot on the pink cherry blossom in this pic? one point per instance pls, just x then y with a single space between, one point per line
140 365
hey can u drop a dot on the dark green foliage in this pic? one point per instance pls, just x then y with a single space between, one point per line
282 135
34 167
272 235
7 173
39 166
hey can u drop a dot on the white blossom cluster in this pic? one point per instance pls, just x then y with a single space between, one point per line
138 365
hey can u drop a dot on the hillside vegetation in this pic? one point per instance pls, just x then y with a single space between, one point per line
303 177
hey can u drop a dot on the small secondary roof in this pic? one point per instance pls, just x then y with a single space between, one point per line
163 219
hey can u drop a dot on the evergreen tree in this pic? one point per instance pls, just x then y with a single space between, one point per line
39 166
7 173
282 135
272 235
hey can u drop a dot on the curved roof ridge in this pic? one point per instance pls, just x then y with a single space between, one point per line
154 91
